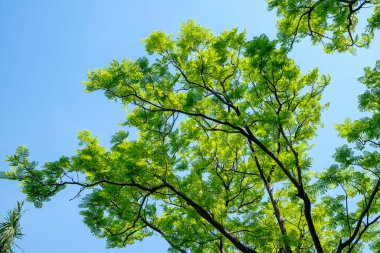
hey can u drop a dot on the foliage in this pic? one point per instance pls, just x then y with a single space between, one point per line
333 22
221 160
357 171
10 229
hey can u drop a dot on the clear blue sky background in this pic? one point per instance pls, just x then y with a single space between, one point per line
46 48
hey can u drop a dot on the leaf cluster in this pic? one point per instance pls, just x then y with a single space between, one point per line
331 22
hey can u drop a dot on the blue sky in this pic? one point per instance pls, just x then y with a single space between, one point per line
46 49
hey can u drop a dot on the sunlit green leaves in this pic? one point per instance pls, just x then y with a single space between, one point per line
331 22
356 177
220 160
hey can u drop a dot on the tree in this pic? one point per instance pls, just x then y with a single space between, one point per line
10 229
357 168
331 22
221 162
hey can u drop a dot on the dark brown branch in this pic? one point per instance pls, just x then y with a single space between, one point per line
204 214
277 213
342 245
155 228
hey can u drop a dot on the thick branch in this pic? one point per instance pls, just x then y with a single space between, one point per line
277 213
204 214
342 245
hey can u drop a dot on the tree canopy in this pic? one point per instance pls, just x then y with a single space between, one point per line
334 23
221 160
